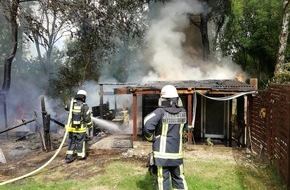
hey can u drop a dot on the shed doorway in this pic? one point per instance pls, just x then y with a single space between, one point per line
215 118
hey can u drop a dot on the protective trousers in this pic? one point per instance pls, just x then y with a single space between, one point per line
76 146
177 177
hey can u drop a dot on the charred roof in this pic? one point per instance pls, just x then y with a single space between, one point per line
218 86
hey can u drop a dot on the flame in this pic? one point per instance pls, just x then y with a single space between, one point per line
20 111
241 77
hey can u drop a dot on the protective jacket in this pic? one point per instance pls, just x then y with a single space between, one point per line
77 128
168 122
81 117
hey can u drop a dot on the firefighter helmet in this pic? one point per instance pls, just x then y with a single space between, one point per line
82 92
169 91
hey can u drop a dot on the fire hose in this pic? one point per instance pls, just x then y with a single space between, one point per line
50 160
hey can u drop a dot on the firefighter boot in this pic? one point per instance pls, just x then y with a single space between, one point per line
82 156
70 158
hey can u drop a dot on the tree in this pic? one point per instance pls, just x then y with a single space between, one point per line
202 24
4 39
45 23
10 10
38 29
99 27
282 70
250 36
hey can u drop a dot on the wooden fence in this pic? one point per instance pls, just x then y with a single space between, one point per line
269 127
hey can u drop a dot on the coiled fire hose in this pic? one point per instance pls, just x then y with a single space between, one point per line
50 160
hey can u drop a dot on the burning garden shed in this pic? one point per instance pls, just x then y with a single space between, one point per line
216 109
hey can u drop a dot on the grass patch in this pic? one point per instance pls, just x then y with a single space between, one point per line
131 174
263 177
32 184
211 175
219 174
123 175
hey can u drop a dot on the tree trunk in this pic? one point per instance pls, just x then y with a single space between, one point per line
14 40
283 39
8 61
204 31
204 36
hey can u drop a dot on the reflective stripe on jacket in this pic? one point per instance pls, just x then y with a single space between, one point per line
82 109
168 125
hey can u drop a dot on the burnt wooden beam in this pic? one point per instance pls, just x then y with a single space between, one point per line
16 126
189 117
134 107
46 126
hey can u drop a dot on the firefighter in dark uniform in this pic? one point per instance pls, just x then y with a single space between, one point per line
164 127
81 121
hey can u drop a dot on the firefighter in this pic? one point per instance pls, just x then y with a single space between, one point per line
164 128
81 121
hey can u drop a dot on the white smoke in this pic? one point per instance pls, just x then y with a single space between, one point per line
93 94
167 53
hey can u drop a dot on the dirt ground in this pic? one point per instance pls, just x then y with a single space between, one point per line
26 155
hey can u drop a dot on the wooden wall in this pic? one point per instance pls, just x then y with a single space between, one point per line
269 127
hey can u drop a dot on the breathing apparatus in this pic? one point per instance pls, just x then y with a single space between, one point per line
169 97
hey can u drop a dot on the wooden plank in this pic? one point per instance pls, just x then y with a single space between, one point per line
288 143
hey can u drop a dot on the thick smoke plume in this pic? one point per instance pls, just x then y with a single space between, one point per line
170 57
